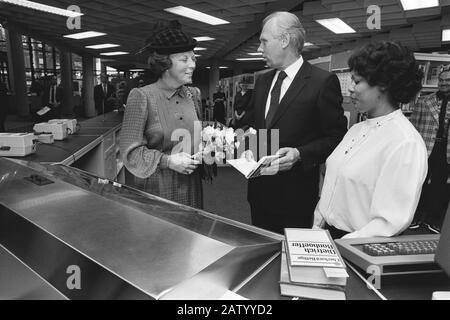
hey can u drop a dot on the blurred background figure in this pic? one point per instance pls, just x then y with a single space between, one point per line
241 102
141 83
104 96
51 98
431 118
122 94
219 105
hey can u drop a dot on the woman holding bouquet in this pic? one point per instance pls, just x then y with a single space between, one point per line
154 162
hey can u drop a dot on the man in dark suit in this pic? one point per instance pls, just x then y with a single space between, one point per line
304 103
104 96
52 96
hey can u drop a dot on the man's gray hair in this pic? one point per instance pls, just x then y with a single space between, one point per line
289 23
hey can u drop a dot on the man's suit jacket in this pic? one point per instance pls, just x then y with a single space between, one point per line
46 95
101 98
310 118
425 118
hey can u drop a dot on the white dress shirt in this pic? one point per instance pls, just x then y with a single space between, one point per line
374 178
291 71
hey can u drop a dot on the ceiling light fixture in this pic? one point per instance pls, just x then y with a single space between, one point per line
308 44
137 70
199 49
250 59
336 25
113 53
84 35
204 38
418 4
43 7
102 46
446 35
223 67
196 15
255 54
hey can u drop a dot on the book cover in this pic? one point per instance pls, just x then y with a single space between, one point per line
312 272
305 290
249 167
312 248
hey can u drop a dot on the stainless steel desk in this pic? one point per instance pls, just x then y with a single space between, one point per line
127 244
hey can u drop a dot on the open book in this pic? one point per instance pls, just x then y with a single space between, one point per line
250 168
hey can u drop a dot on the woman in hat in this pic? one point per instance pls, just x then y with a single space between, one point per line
157 159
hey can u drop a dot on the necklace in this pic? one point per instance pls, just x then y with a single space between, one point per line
372 128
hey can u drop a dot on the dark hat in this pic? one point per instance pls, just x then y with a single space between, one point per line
168 39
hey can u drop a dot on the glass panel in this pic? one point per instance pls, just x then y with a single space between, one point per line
77 63
26 55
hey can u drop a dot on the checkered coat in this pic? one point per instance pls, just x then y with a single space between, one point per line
425 118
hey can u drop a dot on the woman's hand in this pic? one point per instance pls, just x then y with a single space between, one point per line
182 163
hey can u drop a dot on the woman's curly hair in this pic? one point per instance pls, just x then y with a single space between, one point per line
159 63
391 66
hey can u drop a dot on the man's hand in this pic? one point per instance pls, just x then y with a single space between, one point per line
288 157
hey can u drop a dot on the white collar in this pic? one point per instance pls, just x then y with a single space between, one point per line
381 119
292 70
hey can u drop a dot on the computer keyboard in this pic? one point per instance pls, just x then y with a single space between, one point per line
394 255
401 248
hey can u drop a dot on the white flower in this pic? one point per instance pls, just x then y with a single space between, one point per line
252 131
229 136
207 133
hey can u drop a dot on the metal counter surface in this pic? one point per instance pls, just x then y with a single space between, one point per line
64 151
128 244
67 151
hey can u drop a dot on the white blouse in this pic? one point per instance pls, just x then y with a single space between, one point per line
374 178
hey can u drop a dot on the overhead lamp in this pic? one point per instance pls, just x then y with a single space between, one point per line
113 53
43 7
137 70
199 49
196 15
446 35
308 44
336 25
418 4
223 67
250 59
197 55
204 38
102 46
84 35
255 54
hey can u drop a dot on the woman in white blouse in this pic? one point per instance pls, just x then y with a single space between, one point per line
374 176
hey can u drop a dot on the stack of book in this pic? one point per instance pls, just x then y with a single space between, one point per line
311 266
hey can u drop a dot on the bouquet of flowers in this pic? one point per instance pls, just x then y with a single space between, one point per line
218 143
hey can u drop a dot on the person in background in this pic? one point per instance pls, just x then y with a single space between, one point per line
52 95
304 104
241 102
431 116
3 105
154 162
219 105
374 176
122 94
104 96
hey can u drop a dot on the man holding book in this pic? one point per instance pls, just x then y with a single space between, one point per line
304 103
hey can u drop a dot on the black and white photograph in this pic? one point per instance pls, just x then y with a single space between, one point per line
233 157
